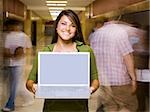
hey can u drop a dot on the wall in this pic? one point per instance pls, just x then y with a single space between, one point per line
40 29
40 38
14 9
141 48
103 6
1 54
86 25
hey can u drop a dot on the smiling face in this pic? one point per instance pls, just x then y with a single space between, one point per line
66 29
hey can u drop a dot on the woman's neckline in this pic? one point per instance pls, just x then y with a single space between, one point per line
65 48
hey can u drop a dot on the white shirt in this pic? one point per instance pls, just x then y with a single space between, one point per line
13 40
110 43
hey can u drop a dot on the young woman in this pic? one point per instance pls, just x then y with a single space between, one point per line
68 38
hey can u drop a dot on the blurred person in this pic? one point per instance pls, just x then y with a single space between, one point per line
17 43
114 57
68 38
98 24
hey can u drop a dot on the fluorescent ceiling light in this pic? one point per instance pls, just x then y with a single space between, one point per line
76 8
50 4
54 14
57 1
56 8
54 11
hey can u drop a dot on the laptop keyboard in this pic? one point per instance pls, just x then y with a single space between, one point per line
64 92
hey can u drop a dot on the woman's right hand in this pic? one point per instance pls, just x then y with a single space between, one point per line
31 86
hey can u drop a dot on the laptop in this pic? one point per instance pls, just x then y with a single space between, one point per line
63 75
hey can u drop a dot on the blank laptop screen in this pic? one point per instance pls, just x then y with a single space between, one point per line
57 68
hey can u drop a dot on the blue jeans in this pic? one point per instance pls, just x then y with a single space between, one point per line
15 73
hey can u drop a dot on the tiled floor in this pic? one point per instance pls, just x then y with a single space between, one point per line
35 107
23 96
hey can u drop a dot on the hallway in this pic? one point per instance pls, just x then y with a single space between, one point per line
37 19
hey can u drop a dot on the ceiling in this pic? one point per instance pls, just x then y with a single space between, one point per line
39 6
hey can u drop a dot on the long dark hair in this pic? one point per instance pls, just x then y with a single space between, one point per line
74 18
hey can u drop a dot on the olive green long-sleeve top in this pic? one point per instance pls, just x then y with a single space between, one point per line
65 105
